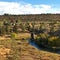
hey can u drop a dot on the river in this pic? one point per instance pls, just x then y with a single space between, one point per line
41 48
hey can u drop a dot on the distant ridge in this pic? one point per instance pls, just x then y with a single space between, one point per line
32 17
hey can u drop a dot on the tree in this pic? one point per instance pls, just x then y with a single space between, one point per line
15 28
3 31
22 27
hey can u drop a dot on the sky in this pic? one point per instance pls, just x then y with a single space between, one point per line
29 6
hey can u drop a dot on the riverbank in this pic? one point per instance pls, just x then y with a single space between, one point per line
29 52
24 50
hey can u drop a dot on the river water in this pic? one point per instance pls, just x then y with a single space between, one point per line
40 48
34 44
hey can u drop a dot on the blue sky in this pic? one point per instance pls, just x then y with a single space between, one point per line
29 6
56 2
35 1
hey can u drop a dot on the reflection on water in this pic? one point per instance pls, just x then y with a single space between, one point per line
34 44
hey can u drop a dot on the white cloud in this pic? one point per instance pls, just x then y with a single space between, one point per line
20 8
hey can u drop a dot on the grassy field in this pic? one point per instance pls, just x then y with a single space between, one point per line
20 49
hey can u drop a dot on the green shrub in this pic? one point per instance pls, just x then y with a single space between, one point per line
13 35
54 41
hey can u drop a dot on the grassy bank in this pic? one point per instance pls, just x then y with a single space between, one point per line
20 49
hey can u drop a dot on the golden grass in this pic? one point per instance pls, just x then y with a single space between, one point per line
23 35
28 52
4 51
3 38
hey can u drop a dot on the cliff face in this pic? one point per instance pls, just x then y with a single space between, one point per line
35 17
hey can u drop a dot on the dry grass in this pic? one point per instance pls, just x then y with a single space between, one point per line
3 38
4 51
23 35
27 52
2 57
